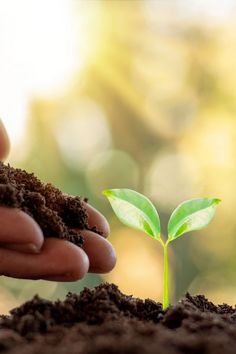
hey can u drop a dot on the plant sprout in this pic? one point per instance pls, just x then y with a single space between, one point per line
137 211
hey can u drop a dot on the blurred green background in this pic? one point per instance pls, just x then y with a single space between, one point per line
126 93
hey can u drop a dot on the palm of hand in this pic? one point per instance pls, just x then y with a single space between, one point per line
24 253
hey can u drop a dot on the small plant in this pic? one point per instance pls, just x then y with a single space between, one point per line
135 210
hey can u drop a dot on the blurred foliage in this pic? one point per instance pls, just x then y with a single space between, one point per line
152 109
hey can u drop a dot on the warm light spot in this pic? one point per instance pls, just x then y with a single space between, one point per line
224 295
139 267
216 140
213 144
82 133
7 300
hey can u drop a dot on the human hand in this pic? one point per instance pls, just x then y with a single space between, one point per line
24 253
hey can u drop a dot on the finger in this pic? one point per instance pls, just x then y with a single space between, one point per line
19 231
101 254
58 258
95 218
4 142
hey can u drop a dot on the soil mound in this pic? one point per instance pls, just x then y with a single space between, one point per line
105 321
57 214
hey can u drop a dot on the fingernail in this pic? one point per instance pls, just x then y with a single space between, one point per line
25 248
32 248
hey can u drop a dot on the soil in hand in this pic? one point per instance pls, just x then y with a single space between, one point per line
58 215
105 321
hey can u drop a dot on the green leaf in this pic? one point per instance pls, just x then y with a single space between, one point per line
191 215
134 210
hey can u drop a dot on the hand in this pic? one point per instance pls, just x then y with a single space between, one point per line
24 253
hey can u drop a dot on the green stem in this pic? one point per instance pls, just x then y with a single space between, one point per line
165 279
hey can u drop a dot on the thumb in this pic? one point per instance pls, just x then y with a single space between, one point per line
4 142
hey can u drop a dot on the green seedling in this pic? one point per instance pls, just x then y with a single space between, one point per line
135 210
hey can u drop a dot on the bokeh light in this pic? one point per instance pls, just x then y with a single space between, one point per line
172 178
139 267
85 136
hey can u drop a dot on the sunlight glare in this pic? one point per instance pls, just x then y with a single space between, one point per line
38 55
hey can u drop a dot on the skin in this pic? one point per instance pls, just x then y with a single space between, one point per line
24 253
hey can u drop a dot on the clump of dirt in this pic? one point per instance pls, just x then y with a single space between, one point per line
57 214
105 321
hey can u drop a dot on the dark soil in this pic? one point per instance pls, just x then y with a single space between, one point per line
105 321
101 320
57 214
